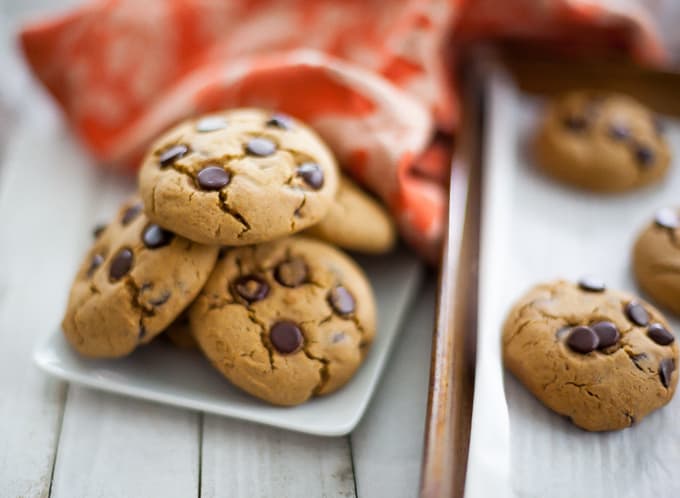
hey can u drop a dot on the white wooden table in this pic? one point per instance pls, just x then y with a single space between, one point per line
65 441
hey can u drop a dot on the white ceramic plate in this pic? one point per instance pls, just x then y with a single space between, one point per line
161 372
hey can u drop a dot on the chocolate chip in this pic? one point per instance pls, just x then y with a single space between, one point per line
341 301
171 154
637 314
120 264
338 337
582 340
213 178
607 334
98 229
210 123
160 300
644 155
619 131
291 273
96 262
131 213
286 337
666 368
659 334
251 288
312 174
575 122
280 121
591 284
667 218
260 147
155 237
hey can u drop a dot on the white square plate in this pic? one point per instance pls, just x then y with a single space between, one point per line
163 373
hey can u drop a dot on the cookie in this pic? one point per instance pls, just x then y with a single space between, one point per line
238 177
601 142
603 358
356 222
656 259
135 280
179 333
286 320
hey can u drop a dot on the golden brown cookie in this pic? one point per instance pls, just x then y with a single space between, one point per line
356 222
238 177
179 333
601 142
656 259
135 280
286 320
603 358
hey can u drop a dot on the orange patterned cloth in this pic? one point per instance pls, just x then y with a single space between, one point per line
369 75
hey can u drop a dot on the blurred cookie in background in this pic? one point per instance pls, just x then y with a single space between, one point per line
604 142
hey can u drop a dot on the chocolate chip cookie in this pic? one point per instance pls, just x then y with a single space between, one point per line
286 320
135 280
179 333
603 358
656 259
601 142
238 177
356 222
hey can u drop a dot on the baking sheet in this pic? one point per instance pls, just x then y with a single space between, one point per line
534 230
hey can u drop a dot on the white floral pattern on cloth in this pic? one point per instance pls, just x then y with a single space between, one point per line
369 75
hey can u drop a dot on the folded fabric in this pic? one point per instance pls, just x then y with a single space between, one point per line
369 75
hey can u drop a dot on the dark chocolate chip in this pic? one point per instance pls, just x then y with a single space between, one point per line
618 131
260 147
338 337
155 237
312 174
341 301
171 154
160 300
607 334
120 264
286 337
575 122
666 368
667 218
591 284
583 340
291 273
96 262
98 229
251 288
131 213
644 155
212 178
280 121
210 123
637 314
659 334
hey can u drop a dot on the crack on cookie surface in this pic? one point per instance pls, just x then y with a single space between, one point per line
226 208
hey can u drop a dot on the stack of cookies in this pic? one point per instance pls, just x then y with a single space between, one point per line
209 255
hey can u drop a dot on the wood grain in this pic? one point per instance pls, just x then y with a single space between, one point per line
452 363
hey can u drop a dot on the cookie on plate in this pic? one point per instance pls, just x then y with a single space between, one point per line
238 177
356 222
601 142
603 358
135 280
286 320
656 259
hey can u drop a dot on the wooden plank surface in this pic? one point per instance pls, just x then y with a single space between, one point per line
243 460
